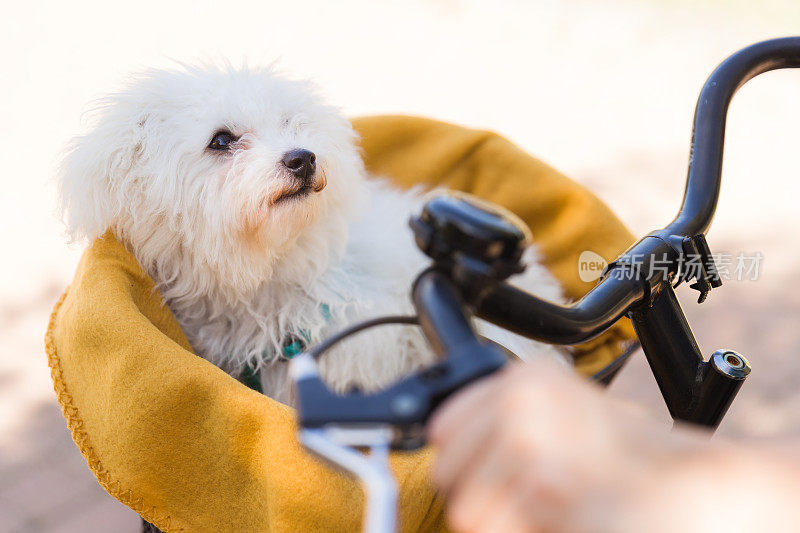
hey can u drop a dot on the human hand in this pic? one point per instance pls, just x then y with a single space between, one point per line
533 449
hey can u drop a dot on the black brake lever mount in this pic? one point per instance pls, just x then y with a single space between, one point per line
698 264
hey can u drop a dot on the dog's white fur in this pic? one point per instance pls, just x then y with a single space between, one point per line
241 271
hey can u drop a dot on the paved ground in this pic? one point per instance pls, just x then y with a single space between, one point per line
603 90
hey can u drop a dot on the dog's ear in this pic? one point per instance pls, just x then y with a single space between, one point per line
96 179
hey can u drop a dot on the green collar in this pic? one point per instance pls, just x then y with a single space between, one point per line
294 345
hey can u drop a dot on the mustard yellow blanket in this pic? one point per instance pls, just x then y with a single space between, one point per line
189 448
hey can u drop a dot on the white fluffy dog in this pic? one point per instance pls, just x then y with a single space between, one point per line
245 198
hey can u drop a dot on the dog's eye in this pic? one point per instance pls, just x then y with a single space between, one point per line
222 140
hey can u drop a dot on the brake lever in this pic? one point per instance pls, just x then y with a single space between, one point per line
337 445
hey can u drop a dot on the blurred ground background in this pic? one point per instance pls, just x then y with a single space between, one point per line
603 90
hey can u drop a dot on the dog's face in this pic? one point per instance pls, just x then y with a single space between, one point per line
227 172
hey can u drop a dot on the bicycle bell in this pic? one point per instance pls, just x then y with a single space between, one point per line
458 231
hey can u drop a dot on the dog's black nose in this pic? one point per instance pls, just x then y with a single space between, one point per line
301 163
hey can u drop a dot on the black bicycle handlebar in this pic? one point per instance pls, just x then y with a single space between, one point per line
473 254
708 134
557 324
